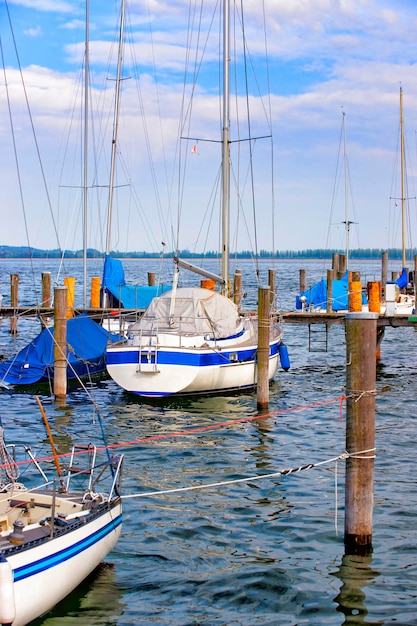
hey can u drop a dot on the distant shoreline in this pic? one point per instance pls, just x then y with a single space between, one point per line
299 260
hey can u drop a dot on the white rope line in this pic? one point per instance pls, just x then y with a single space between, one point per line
357 395
11 490
285 472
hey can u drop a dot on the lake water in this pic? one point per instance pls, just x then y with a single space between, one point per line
266 552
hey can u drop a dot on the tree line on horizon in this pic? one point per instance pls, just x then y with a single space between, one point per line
26 252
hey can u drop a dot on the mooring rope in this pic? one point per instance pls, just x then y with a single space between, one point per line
284 472
193 431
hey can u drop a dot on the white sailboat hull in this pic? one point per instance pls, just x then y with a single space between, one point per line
44 574
184 372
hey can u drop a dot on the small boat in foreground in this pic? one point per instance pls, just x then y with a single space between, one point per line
53 536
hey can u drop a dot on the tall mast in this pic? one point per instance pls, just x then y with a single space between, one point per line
115 127
347 222
402 178
86 107
226 148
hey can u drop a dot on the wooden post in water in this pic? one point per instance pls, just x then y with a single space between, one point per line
335 264
329 294
264 294
360 430
14 301
151 279
237 288
46 296
60 342
303 283
46 290
384 274
271 283
342 265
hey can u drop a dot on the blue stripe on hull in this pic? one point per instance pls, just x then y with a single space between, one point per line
61 556
191 357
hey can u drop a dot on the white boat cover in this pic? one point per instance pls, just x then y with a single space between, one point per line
196 311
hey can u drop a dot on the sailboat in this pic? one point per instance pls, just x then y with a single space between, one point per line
53 534
194 340
86 339
316 296
404 302
115 292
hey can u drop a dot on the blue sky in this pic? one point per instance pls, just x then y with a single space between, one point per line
325 57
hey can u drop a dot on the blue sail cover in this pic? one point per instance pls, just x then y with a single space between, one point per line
127 296
402 280
86 341
317 295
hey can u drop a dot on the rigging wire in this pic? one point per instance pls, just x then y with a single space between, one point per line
33 135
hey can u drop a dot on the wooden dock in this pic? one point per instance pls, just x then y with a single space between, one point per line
306 317
290 317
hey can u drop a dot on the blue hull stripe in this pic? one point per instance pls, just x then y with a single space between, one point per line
189 357
52 560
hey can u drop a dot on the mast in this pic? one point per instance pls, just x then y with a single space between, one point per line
403 243
115 127
86 106
347 222
226 148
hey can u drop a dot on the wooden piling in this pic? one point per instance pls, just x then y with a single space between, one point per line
14 301
335 264
303 283
264 294
342 265
46 290
60 342
271 283
237 288
151 279
360 430
329 292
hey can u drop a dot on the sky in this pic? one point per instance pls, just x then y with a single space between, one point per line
329 62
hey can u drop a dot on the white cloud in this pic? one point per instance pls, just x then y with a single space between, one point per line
33 32
323 55
55 6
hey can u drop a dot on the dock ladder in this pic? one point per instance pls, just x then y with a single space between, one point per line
318 337
148 354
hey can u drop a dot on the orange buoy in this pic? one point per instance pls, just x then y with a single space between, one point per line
208 283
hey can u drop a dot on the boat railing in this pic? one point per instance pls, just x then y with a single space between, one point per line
116 486
13 447
96 472
148 330
87 468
